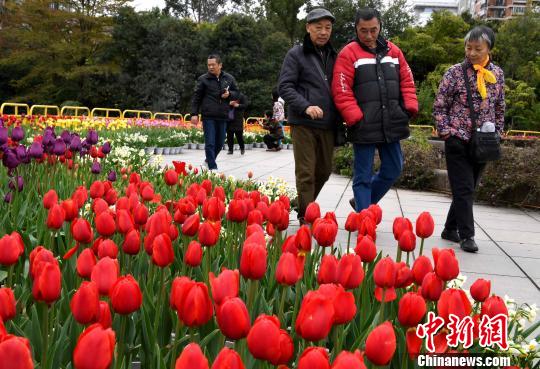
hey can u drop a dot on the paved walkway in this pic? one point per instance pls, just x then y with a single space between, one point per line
509 239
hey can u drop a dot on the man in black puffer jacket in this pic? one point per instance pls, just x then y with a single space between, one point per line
304 84
213 93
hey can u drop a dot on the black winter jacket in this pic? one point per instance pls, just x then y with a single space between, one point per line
237 124
301 85
207 96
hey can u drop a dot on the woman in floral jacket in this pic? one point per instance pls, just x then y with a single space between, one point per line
452 114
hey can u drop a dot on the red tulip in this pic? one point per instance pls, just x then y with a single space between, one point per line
263 338
446 264
349 360
351 224
55 217
95 348
194 253
111 196
324 232
303 239
228 359
171 177
313 212
422 266
414 343
140 214
253 261
104 274
213 209
376 211
289 245
99 206
432 287
49 199
255 217
85 303
15 353
162 252
97 189
238 211
424 225
192 358
233 318
8 307
126 296
124 221
80 195
381 344
196 309
407 241
480 289
105 318
85 263
107 248
453 301
314 358
11 248
493 306
48 284
401 224
286 347
350 273
367 226
82 231
404 276
71 209
226 284
365 248
411 310
290 269
190 227
274 213
105 224
328 270
132 242
344 303
384 274
208 234
315 317
39 257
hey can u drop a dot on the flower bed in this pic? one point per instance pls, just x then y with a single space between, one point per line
179 269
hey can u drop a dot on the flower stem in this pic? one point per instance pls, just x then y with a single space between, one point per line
120 348
282 302
421 246
45 335
176 333
348 242
10 276
381 311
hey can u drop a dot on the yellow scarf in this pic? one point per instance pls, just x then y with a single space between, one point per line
482 76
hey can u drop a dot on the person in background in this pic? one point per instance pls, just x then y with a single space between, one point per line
374 91
235 126
278 110
454 125
304 85
213 93
275 132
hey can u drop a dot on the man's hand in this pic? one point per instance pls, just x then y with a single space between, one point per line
234 104
194 120
314 112
225 94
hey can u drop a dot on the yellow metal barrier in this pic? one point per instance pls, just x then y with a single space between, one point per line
138 112
16 106
419 126
253 120
107 112
517 132
76 108
45 108
169 115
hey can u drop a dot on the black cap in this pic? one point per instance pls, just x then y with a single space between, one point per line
319 13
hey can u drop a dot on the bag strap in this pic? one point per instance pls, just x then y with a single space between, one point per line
321 73
469 96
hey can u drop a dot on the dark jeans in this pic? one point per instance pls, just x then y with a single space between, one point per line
239 137
214 137
369 188
271 142
313 152
464 175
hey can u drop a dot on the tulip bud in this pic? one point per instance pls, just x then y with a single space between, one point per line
95 348
314 357
194 254
233 318
85 303
11 248
126 296
15 353
7 304
226 284
493 306
424 225
381 344
327 270
411 310
480 289
191 358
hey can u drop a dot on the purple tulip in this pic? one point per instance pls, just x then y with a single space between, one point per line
8 197
92 137
48 137
75 144
59 147
85 144
17 133
106 148
112 176
10 159
21 152
17 183
36 150
96 167
83 152
66 136
3 135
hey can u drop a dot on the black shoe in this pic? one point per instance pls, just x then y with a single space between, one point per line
242 152
302 221
468 245
229 153
450 235
352 203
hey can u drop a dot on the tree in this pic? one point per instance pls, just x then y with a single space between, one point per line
284 15
522 107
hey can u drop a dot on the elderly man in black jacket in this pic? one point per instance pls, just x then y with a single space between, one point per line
213 93
304 84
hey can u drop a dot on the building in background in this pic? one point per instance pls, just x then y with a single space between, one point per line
501 9
423 9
